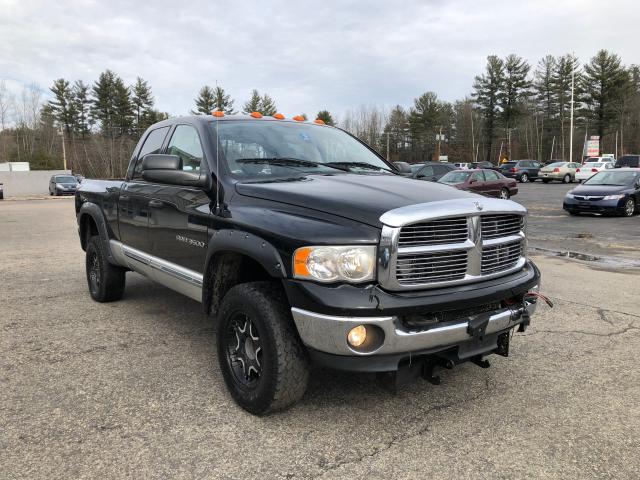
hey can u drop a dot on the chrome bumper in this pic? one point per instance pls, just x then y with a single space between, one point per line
328 333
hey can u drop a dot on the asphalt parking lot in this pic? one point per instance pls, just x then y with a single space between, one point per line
133 389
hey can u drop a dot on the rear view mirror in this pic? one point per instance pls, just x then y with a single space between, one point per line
160 168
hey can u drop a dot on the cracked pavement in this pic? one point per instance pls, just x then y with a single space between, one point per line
133 389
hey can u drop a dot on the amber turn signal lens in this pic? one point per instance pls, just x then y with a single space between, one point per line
299 118
256 114
218 113
319 121
279 116
300 262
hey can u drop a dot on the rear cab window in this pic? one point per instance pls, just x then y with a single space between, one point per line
185 143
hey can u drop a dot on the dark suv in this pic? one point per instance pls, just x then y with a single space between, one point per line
521 170
628 161
433 171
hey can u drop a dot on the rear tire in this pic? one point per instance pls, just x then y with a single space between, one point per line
524 178
566 178
544 180
504 193
263 362
106 281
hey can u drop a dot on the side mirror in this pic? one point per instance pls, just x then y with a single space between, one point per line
420 175
160 168
472 180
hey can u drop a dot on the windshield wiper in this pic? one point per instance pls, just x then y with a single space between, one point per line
289 162
364 165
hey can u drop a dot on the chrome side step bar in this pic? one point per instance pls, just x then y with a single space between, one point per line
169 274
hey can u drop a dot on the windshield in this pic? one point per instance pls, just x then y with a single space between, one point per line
66 179
416 167
266 149
455 177
509 164
595 165
557 164
613 178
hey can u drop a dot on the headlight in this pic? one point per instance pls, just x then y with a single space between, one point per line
332 264
614 197
570 195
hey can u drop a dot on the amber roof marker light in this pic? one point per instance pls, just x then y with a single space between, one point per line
319 121
217 113
256 114
278 116
299 118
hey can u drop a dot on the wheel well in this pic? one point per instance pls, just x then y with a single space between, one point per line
226 270
88 228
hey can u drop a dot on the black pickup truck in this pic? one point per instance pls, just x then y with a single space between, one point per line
309 248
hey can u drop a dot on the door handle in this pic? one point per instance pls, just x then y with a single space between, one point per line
156 204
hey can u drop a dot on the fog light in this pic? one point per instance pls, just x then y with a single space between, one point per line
357 336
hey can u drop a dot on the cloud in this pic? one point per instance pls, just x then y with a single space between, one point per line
307 55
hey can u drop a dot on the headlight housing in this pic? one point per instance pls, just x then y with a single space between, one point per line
614 197
327 264
570 195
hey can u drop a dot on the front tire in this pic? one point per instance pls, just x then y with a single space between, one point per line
504 194
629 207
106 281
263 361
524 178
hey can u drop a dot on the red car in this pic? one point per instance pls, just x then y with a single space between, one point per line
483 181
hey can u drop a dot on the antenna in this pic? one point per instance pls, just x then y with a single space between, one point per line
217 167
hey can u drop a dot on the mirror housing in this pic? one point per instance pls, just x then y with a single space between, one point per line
160 168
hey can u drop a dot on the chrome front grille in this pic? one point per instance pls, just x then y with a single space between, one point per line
499 257
495 226
435 232
431 267
427 246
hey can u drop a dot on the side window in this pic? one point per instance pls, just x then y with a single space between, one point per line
185 143
152 144
441 170
426 171
477 176
490 175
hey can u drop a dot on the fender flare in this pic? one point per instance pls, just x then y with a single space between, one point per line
96 214
244 243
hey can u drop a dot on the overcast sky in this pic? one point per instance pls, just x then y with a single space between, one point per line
308 55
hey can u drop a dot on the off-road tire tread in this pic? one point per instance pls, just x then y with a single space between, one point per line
292 370
113 277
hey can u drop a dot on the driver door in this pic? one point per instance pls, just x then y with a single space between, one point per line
178 214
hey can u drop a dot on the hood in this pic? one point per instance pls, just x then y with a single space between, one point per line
363 198
599 190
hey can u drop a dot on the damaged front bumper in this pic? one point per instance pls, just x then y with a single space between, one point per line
326 337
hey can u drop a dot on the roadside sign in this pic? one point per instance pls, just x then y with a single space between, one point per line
593 146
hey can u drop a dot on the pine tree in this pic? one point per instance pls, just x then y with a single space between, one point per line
488 87
326 117
253 104
123 107
142 102
103 102
425 119
397 128
516 87
267 106
62 106
604 83
81 104
222 101
205 102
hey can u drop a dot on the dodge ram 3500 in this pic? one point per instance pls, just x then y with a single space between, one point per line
309 248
